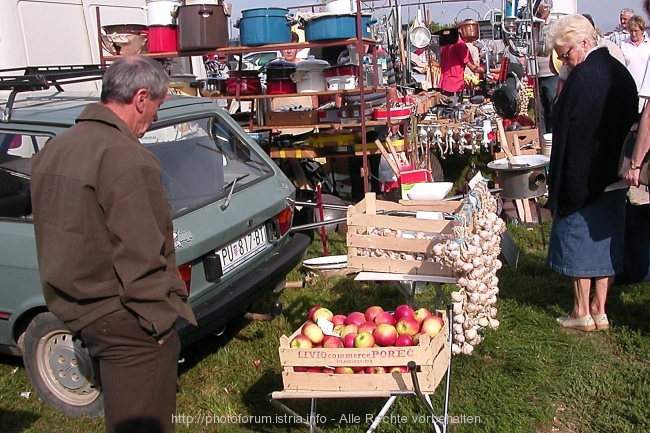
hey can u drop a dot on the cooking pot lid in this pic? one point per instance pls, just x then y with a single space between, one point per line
523 162
312 64
280 64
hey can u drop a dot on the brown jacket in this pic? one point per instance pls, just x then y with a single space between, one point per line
103 228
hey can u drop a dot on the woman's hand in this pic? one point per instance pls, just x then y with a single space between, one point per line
631 177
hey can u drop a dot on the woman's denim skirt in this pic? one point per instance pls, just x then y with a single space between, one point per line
589 242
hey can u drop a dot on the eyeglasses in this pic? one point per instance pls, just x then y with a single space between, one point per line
565 55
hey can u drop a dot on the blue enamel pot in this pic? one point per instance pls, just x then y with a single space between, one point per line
266 26
329 27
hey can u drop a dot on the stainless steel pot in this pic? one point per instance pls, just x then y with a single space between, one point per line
525 179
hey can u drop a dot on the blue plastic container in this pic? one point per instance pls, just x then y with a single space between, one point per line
264 12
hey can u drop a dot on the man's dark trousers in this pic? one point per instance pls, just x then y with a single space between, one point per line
138 375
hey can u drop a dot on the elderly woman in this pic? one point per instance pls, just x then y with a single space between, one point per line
592 116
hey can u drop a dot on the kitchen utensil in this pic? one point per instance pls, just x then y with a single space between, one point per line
163 39
336 26
310 75
202 27
162 12
524 179
429 190
262 26
248 80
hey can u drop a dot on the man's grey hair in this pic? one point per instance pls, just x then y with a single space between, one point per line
129 74
627 11
548 4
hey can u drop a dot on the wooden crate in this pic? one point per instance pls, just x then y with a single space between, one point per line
432 355
366 215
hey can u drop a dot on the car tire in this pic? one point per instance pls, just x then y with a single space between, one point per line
60 368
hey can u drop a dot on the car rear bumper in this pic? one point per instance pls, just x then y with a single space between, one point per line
240 294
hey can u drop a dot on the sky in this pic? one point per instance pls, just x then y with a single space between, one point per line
604 12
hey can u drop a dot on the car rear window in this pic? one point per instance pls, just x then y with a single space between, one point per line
200 159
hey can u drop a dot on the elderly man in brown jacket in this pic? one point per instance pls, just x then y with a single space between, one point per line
105 250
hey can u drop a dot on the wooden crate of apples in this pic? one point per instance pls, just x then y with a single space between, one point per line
375 345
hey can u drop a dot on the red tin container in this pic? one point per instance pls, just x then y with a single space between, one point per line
163 39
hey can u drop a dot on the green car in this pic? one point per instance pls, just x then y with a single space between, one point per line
232 209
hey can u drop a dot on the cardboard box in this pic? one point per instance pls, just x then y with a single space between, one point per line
290 118
369 214
431 355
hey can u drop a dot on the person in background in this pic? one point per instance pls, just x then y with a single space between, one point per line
621 33
289 54
475 57
636 49
642 144
613 49
592 117
454 58
105 247
546 77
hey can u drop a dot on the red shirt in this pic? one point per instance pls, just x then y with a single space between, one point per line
453 59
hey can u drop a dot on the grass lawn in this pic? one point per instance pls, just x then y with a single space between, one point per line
527 376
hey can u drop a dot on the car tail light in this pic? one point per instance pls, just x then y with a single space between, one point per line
285 219
185 272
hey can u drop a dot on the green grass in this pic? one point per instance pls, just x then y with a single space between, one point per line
527 376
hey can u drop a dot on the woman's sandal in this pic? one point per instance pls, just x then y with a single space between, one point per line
584 323
602 324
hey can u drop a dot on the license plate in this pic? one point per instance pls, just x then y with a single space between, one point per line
242 249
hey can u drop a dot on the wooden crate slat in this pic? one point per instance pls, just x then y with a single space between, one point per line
398 266
400 223
391 243
358 382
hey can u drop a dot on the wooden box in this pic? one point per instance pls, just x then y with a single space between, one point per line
290 118
368 214
431 355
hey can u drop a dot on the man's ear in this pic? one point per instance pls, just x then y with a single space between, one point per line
139 99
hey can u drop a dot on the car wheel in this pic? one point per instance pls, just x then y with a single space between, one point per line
60 368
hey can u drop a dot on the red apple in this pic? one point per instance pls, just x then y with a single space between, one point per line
349 329
313 332
367 327
323 313
300 369
333 343
355 318
401 369
404 340
343 370
310 314
300 342
385 318
421 314
358 370
371 312
376 370
407 325
432 325
338 319
314 370
402 311
364 340
348 340
385 335
328 370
